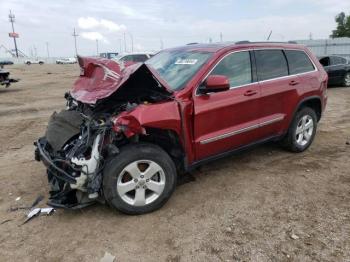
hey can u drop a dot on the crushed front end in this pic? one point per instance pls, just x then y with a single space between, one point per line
79 140
74 150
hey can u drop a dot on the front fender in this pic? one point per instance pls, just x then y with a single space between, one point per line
163 115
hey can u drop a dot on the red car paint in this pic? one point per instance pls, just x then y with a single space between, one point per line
197 119
100 78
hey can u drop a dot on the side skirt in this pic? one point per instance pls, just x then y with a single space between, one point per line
235 151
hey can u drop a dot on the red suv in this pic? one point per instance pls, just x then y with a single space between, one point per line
128 133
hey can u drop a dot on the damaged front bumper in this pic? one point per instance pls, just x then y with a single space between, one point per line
63 193
41 154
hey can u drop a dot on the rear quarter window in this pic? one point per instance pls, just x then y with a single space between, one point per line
271 64
298 62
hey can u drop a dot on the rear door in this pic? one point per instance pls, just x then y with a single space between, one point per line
229 119
277 88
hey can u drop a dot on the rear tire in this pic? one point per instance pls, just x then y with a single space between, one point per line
140 179
346 81
302 131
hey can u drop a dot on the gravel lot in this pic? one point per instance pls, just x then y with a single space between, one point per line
263 205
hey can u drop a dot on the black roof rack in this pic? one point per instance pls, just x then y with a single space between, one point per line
264 42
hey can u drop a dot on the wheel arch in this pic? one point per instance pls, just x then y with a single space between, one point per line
169 141
314 103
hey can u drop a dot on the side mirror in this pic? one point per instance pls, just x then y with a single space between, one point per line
215 83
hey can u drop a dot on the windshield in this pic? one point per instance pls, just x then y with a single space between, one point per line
179 66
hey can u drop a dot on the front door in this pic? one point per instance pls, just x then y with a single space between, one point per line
227 120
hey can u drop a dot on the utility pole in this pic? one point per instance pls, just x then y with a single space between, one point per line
47 49
310 36
97 47
75 35
14 35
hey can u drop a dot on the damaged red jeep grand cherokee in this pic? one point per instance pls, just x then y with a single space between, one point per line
127 134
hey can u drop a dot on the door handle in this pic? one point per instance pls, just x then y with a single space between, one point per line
250 93
293 83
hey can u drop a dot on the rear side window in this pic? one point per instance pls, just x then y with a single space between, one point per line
236 67
270 64
298 62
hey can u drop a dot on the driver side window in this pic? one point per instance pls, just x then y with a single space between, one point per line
237 67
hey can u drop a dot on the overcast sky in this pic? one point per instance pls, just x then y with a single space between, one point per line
153 22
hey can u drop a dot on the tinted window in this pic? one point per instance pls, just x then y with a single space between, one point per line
336 60
325 61
140 58
236 67
343 61
271 64
298 62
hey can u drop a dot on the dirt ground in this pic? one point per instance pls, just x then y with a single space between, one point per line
243 208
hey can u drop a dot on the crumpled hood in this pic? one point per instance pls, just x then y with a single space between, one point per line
100 78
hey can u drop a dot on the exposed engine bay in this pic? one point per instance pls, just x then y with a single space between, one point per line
79 140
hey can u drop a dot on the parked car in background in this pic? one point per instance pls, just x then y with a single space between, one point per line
5 62
127 134
129 59
69 60
109 55
338 69
34 61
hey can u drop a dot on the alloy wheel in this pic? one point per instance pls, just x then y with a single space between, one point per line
141 182
304 130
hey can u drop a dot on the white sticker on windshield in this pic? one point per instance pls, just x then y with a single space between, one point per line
180 61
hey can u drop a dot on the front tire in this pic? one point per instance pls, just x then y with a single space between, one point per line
302 131
140 179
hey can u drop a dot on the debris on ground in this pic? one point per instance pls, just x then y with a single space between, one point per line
5 221
18 198
294 236
108 258
229 229
347 143
39 211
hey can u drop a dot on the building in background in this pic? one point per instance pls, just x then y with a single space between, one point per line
322 47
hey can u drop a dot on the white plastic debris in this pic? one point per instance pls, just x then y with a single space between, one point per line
39 211
18 198
294 236
107 258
